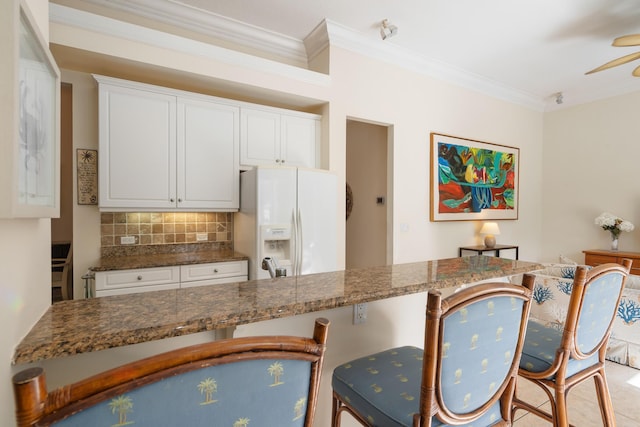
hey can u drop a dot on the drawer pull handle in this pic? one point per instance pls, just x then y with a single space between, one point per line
215 270
139 277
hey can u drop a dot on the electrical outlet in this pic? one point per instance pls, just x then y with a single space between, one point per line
359 313
128 240
200 237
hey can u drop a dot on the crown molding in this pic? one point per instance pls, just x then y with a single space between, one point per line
213 25
317 40
96 23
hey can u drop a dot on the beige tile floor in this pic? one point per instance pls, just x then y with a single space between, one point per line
624 385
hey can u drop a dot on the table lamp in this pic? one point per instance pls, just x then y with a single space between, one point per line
491 229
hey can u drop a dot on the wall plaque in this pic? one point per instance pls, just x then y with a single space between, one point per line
87 164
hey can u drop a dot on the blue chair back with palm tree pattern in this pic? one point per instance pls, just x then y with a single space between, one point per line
268 381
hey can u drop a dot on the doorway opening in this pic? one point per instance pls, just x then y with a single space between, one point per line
62 228
369 175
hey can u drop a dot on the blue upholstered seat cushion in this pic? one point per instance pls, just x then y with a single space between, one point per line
540 347
385 387
271 393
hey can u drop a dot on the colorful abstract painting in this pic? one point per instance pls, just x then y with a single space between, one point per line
472 180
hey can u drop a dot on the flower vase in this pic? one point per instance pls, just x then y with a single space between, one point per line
614 243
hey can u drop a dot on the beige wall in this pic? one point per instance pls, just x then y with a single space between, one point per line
86 218
590 159
416 105
25 290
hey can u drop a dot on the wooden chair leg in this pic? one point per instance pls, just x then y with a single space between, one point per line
604 399
335 421
561 413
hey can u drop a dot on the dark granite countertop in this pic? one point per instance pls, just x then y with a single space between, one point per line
126 262
82 326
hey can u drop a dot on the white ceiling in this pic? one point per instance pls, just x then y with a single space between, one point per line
536 48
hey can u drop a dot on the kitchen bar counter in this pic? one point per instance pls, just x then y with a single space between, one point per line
82 326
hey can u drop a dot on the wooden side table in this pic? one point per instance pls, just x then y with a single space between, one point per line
595 257
481 249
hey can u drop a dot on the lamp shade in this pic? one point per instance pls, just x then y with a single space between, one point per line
490 228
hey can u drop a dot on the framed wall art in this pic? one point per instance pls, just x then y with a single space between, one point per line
473 180
36 151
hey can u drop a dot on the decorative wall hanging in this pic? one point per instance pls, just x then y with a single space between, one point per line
37 150
473 180
87 168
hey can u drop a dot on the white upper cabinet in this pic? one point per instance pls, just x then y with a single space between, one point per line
137 163
278 137
166 149
259 137
208 171
300 140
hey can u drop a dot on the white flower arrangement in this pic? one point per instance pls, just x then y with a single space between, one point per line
613 224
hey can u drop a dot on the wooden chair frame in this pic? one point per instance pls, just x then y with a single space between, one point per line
558 388
431 404
35 406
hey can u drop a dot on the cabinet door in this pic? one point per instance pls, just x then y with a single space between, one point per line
216 270
597 259
259 137
208 168
137 148
299 141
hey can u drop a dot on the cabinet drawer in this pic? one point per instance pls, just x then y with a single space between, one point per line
216 270
635 266
594 260
138 278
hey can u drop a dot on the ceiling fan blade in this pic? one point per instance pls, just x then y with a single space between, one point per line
636 72
630 40
616 62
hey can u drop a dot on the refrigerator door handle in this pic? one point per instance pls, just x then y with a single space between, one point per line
299 242
294 240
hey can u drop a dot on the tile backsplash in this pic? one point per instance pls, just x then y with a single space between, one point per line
165 228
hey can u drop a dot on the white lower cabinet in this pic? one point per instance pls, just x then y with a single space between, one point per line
120 282
213 274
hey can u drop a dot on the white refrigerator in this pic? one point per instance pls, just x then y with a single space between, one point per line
289 215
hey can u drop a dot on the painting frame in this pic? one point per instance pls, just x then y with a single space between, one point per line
37 155
473 180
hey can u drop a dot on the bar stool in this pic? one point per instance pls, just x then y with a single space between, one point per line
465 374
